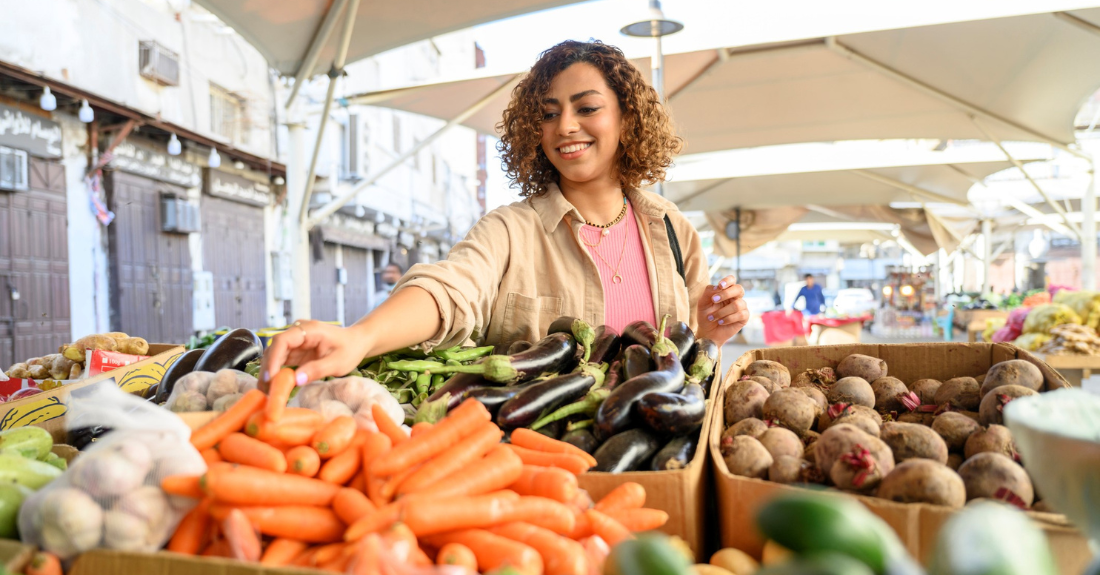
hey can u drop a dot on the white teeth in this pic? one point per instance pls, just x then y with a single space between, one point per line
573 148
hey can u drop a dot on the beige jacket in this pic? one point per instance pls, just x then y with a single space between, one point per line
522 266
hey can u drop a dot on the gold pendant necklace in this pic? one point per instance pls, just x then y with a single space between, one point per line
615 278
606 228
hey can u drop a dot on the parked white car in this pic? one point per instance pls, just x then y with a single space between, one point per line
855 302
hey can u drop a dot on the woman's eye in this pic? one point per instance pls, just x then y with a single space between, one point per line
587 110
548 115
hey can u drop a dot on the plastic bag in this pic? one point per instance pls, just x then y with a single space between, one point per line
208 391
1046 316
1032 341
1085 303
1016 319
351 395
111 497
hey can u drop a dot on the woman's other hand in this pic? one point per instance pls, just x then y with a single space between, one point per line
316 349
722 311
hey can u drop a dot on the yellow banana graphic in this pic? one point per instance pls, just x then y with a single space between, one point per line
32 413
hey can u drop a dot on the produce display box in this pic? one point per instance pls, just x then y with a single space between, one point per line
133 378
916 524
107 562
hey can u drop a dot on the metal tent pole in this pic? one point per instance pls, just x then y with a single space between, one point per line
319 40
987 253
1088 233
921 192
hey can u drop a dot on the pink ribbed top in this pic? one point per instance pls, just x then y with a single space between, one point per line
632 298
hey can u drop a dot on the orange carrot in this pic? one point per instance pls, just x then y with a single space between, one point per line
524 437
192 530
387 425
242 485
581 526
607 528
398 536
279 393
570 463
229 421
303 460
305 558
542 512
329 552
342 468
557 484
358 482
492 550
240 448
627 495
451 461
211 456
463 421
641 519
560 556
337 564
380 519
183 485
334 437
43 563
351 505
497 470
389 488
313 556
431 516
367 560
456 554
243 540
293 434
299 416
374 490
282 551
419 428
374 445
303 522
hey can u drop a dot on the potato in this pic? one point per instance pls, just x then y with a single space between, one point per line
196 381
992 439
188 401
960 393
226 401
990 410
745 456
224 383
923 481
991 474
863 366
764 382
918 417
772 370
311 396
781 441
750 426
861 416
954 428
841 438
1013 372
910 440
852 390
822 377
926 390
133 346
971 414
817 395
857 471
735 561
954 460
809 437
888 392
792 409
787 469
744 399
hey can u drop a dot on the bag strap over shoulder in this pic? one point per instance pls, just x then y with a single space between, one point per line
674 243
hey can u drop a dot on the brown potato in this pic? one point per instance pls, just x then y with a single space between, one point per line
923 481
960 393
990 410
744 399
910 440
772 370
888 392
745 456
817 395
918 417
862 417
781 441
954 428
792 409
751 426
764 382
1013 372
862 366
841 438
954 460
992 439
851 390
992 474
926 390
787 469
860 473
822 377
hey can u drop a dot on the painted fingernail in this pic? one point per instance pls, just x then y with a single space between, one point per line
301 378
723 284
716 298
721 322
710 317
267 376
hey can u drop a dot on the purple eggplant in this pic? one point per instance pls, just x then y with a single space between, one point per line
636 361
458 385
673 414
606 346
616 413
524 408
519 346
681 336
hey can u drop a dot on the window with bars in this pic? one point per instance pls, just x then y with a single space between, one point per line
229 115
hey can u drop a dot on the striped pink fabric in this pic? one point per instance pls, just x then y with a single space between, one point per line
632 299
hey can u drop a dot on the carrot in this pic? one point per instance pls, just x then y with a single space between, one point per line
192 530
456 554
582 527
211 456
524 437
43 563
241 485
374 522
299 416
183 485
358 482
303 522
282 551
240 448
374 445
293 434
367 560
497 470
337 564
492 551
463 421
445 464
399 535
641 519
351 505
431 516
243 540
302 460
305 558
387 425
570 463
542 512
279 393
419 428
560 556
551 482
334 437
389 488
627 495
329 552
607 528
229 421
219 548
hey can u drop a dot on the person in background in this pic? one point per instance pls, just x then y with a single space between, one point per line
815 300
391 274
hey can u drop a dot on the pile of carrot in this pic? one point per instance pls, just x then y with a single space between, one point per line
284 487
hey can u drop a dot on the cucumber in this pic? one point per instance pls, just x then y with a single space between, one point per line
818 564
32 442
28 472
649 554
991 539
12 496
58 463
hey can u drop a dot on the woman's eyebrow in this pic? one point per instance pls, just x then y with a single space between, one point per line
572 98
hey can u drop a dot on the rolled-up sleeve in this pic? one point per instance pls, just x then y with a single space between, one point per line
465 285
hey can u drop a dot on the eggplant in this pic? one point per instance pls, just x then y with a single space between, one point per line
493 397
676 454
701 369
615 413
640 333
582 439
636 361
563 324
682 337
673 413
548 355
519 346
614 375
606 347
150 393
626 451
458 385
231 351
183 366
551 430
82 436
524 408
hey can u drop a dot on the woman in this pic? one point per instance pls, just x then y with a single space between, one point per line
582 132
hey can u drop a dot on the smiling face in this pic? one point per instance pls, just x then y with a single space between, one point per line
581 126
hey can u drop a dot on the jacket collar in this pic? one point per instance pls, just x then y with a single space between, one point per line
552 206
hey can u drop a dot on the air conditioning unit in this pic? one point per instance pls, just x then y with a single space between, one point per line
158 63
13 170
178 215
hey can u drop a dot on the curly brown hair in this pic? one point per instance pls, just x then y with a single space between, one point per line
648 141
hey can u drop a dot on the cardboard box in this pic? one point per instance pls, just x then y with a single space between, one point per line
134 378
916 524
107 562
14 556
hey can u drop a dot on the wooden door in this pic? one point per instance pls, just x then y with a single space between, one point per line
233 250
357 262
322 281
